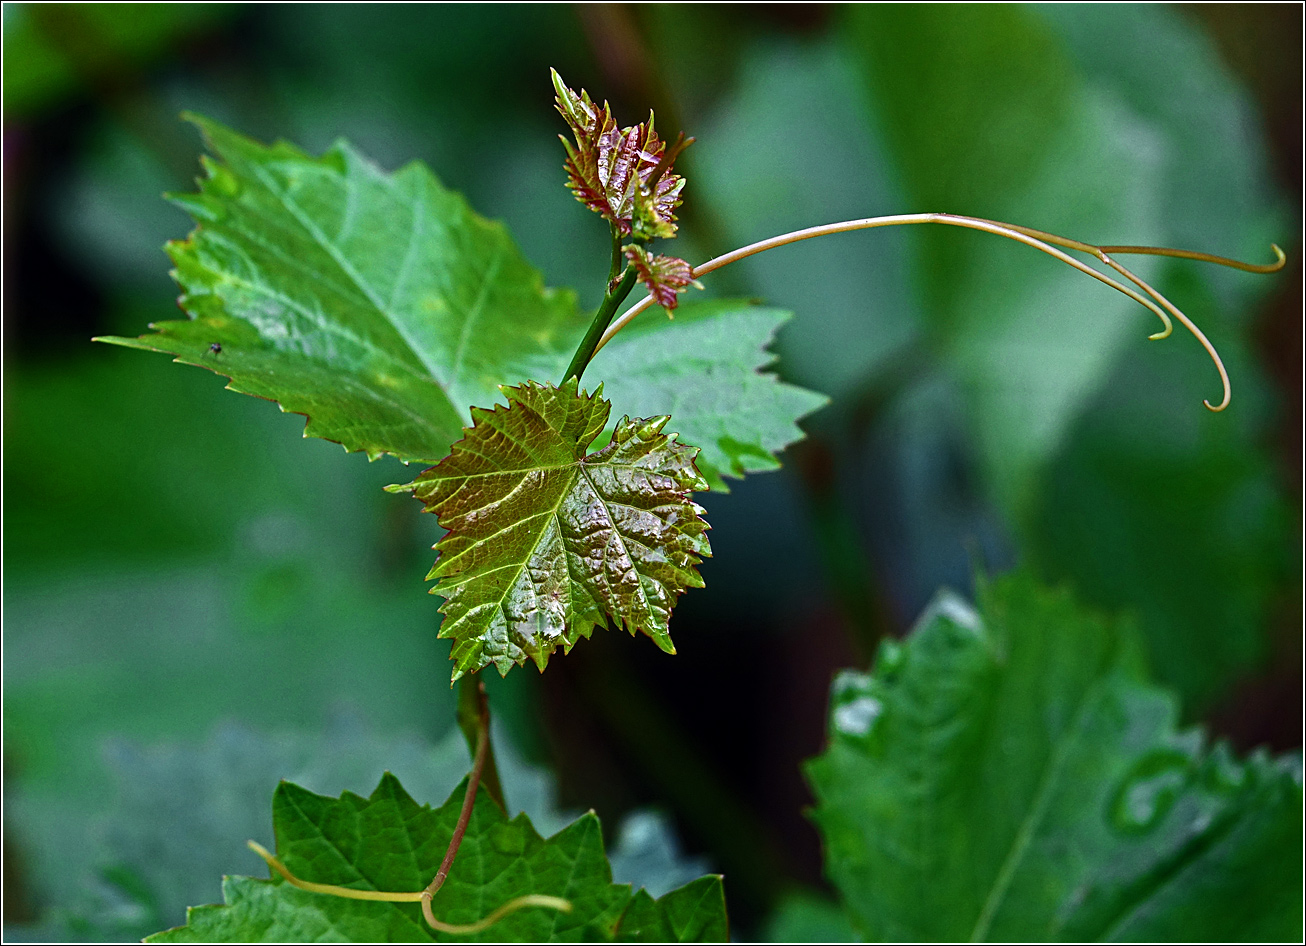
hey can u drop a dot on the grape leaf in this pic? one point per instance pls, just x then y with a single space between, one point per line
543 540
664 276
379 305
1009 775
614 172
182 811
382 306
694 913
389 842
808 918
704 370
1024 341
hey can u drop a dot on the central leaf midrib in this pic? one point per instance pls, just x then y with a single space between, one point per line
548 513
551 514
1037 810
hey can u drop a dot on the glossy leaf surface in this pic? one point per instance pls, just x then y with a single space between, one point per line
619 174
1008 775
379 305
389 842
544 540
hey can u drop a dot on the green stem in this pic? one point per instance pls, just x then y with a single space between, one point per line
607 309
473 720
614 271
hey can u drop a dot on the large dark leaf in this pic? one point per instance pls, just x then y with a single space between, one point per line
1009 775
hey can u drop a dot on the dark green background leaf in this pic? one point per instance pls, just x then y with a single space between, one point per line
1152 504
357 842
705 369
1009 775
985 115
1173 516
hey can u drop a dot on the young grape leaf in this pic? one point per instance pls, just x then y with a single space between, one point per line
664 276
543 540
613 172
704 369
389 842
1009 775
379 305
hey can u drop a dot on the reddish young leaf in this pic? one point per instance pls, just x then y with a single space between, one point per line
544 540
624 175
665 276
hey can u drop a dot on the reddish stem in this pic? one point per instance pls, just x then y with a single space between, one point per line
469 800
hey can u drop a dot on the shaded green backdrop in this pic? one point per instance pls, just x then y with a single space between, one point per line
175 555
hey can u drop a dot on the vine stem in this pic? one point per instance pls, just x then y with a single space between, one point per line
593 335
460 829
472 704
1039 239
469 801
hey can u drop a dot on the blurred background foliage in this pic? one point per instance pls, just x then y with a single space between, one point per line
176 559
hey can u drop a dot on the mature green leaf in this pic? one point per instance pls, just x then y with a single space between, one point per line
379 305
1153 504
543 540
807 918
382 306
694 913
389 842
1009 775
1160 508
705 370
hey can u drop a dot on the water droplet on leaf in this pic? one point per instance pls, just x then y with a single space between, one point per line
1148 792
857 717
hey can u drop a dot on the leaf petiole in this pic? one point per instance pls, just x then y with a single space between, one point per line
1039 239
469 799
472 707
